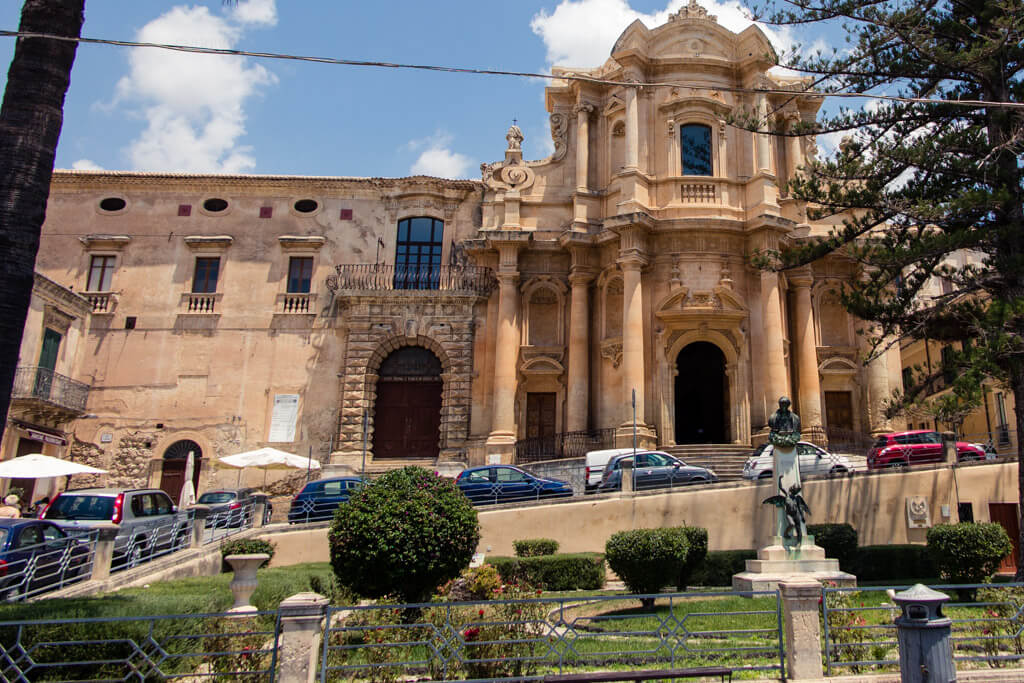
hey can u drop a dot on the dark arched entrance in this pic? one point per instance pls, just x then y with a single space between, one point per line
702 394
172 469
407 416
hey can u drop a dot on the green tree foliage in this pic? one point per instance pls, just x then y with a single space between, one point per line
404 535
647 560
969 552
931 186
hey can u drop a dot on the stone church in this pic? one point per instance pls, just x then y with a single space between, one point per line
552 305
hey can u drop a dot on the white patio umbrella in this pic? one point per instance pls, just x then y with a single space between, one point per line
188 489
267 458
39 466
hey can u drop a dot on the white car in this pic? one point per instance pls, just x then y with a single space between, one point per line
813 460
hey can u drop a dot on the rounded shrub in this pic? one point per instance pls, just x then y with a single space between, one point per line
969 552
245 546
535 547
838 540
697 537
647 560
404 535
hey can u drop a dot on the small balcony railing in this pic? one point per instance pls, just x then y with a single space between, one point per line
564 445
475 279
195 302
43 384
101 302
296 302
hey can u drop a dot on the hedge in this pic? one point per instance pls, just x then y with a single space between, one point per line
535 547
968 552
892 562
647 560
698 551
719 566
838 540
566 572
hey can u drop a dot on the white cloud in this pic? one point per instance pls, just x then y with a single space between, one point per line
194 104
581 33
437 159
86 165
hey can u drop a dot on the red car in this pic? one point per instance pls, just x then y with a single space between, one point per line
901 449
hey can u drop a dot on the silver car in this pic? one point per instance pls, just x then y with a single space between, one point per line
813 460
148 522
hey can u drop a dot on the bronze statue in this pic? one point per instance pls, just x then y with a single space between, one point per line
794 507
784 425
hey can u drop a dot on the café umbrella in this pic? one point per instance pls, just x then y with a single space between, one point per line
39 466
270 459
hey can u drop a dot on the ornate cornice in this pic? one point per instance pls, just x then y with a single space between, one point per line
60 296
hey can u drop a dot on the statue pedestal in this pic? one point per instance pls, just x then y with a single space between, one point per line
776 562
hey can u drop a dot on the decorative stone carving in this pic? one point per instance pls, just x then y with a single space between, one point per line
918 512
612 350
692 11
725 279
514 137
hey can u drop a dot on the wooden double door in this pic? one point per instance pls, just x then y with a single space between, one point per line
407 418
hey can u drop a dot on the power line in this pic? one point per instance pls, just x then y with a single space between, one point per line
497 72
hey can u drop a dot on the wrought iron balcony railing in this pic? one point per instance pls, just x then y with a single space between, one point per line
34 382
375 277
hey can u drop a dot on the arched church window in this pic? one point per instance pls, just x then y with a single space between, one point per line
695 146
418 253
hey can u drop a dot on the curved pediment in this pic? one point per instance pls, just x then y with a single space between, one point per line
720 300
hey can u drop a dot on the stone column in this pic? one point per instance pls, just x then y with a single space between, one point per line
809 394
202 513
103 555
633 375
506 354
578 383
878 390
302 623
803 634
632 128
773 335
583 110
793 147
764 155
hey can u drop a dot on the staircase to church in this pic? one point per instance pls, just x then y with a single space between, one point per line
726 459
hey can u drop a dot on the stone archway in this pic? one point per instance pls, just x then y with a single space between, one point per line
701 395
172 467
407 412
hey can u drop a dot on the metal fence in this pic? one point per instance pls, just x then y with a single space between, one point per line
32 381
564 445
525 639
858 633
188 646
228 521
145 543
36 564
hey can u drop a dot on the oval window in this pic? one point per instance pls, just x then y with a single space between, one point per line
306 205
113 204
214 205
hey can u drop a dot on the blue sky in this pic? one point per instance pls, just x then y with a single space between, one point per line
154 110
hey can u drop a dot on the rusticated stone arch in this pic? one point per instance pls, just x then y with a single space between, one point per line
377 326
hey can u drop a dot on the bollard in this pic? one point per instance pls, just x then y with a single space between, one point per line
949 455
302 623
626 467
199 525
259 509
103 555
926 654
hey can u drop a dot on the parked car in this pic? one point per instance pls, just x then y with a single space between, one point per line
813 460
595 462
36 556
900 449
148 522
230 508
654 469
318 499
508 484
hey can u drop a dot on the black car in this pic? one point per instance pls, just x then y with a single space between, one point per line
231 507
38 556
652 470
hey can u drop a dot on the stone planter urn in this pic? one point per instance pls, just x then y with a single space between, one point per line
244 583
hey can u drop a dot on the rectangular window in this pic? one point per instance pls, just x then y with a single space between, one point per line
418 253
695 147
101 271
205 279
300 274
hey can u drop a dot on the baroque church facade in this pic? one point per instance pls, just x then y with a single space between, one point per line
605 289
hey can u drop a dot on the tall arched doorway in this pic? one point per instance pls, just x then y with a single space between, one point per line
702 394
407 416
172 469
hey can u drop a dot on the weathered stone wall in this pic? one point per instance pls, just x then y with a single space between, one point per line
129 466
85 453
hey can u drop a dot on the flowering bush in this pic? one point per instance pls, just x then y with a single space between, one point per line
236 648
848 641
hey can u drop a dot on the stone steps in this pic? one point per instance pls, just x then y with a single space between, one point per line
725 459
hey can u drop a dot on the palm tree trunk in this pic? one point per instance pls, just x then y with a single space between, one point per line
30 120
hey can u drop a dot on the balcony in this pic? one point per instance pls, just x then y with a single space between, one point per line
201 304
43 392
474 280
101 302
296 303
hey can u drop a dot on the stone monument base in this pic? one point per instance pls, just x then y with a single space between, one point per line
776 562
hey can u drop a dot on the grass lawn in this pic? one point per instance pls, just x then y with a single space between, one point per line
196 595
